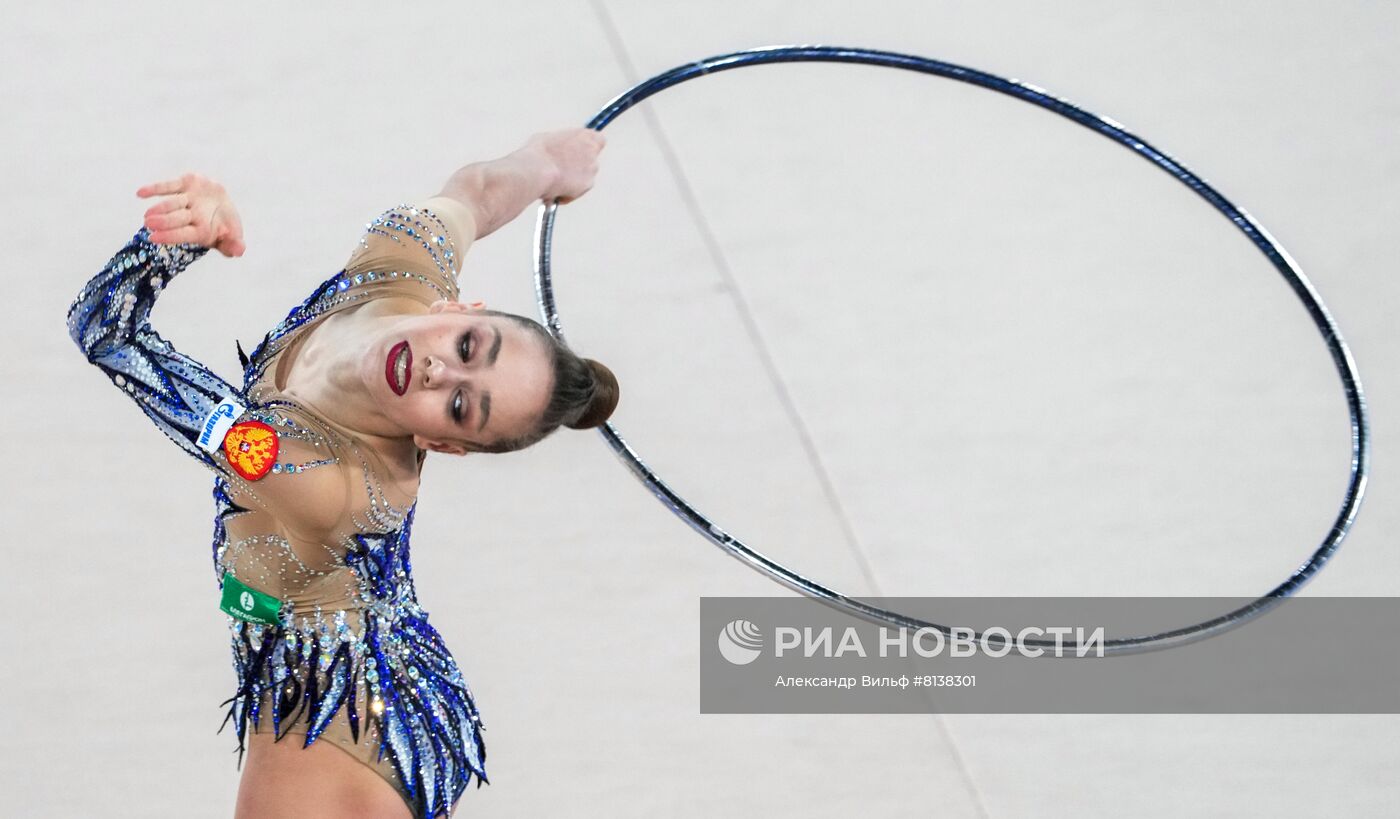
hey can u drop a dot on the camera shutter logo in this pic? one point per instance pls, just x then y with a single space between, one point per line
740 642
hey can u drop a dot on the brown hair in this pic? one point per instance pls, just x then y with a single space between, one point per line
584 394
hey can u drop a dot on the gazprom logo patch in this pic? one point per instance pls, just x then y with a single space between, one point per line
217 423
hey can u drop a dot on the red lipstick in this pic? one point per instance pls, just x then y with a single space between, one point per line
389 369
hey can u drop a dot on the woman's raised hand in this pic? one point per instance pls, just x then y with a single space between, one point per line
197 211
574 152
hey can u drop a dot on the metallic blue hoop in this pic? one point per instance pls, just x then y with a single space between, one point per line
1302 288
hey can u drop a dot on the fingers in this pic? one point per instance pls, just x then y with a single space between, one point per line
176 202
177 236
161 188
169 213
170 220
186 182
196 211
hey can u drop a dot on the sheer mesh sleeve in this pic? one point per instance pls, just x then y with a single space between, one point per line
427 239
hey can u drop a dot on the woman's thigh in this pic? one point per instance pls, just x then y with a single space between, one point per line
283 779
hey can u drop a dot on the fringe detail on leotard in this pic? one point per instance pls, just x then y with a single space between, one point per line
429 727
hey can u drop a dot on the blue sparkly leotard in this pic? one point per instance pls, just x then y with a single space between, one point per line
347 656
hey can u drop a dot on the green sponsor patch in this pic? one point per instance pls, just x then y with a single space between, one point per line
247 603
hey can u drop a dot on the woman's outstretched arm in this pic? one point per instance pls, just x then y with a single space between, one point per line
430 237
552 165
108 322
191 404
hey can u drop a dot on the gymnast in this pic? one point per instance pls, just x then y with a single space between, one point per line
317 460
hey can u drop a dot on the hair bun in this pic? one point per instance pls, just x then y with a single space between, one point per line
605 395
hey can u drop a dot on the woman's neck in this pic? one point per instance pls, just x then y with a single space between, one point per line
325 376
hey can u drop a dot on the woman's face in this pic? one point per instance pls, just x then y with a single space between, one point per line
457 376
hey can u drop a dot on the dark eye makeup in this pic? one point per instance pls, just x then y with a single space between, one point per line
465 347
